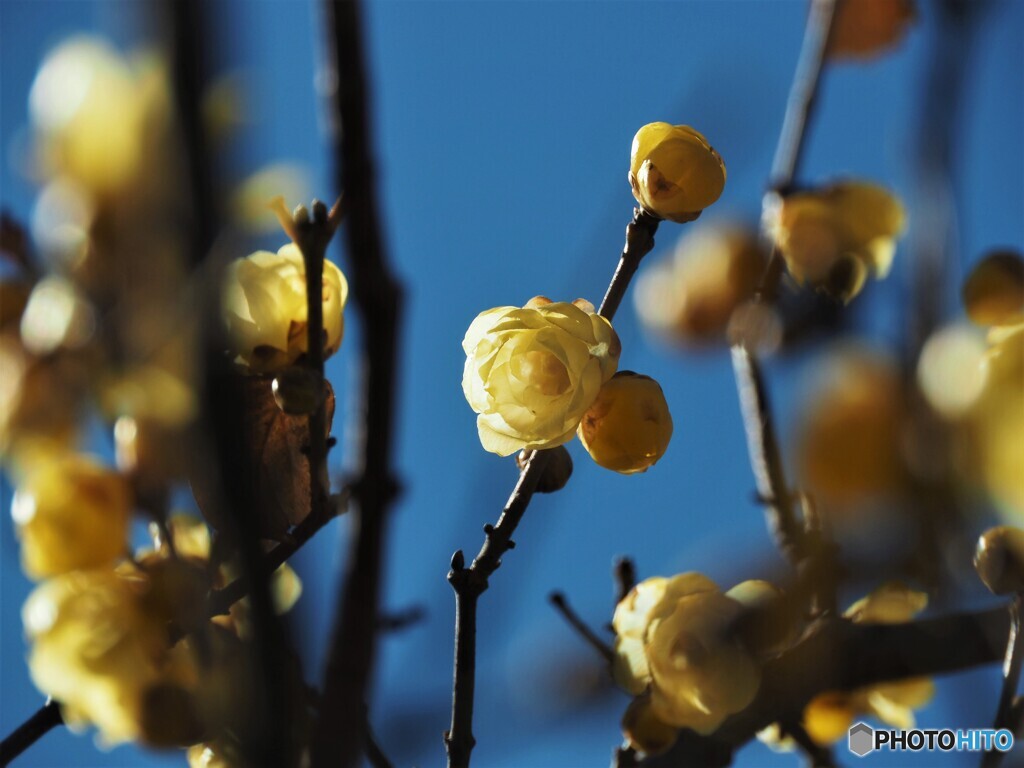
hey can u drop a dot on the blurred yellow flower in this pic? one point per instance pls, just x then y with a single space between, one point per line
835 236
70 513
674 172
89 108
848 436
676 639
628 427
865 28
93 649
690 296
265 311
532 372
993 293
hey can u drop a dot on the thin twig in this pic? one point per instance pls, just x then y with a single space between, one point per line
339 734
765 457
561 604
1012 663
470 583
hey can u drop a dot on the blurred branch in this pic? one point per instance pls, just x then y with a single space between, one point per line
469 583
339 735
839 655
561 604
762 443
818 756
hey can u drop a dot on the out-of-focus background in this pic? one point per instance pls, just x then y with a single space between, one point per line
503 132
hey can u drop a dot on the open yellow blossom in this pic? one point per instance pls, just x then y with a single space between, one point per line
70 513
265 310
676 640
835 236
674 172
94 649
532 372
629 426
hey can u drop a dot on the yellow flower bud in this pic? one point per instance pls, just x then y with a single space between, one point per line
691 296
999 559
674 172
94 650
531 373
265 309
993 293
833 237
865 28
628 427
828 716
70 513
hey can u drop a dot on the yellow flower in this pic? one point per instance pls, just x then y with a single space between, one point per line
628 427
829 715
90 110
865 28
265 310
93 649
690 297
532 373
848 441
212 755
70 513
674 172
835 236
676 639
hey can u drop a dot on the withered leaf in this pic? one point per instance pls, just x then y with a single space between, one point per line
272 453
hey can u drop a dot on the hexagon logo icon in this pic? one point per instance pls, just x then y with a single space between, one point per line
861 739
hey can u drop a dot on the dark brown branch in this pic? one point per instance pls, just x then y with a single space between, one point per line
839 655
339 735
28 733
818 756
558 600
1007 713
470 583
624 573
765 457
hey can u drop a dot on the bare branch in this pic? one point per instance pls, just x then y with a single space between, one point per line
561 604
339 736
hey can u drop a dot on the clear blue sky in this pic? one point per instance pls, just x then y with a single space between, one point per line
503 133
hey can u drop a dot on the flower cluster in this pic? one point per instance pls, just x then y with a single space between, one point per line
828 716
835 236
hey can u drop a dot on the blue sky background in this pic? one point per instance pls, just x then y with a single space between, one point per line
503 133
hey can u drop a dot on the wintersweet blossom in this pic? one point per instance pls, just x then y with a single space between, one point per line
629 426
835 236
674 172
532 372
265 309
